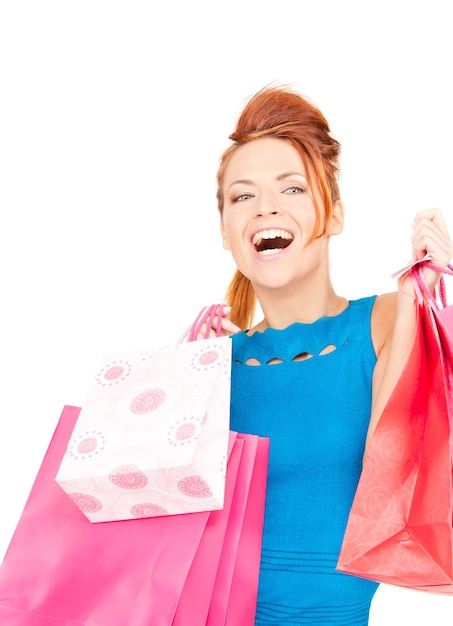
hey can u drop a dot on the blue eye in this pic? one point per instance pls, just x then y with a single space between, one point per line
241 197
294 189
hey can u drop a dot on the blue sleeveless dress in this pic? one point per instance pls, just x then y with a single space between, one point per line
316 413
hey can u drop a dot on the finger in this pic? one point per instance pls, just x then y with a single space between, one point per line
426 236
434 216
437 245
205 333
431 236
227 326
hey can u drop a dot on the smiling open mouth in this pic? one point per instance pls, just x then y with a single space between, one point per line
271 241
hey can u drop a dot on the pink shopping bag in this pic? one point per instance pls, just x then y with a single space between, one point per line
196 595
60 569
244 585
222 596
222 584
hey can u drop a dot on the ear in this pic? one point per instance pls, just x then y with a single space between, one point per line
336 222
226 243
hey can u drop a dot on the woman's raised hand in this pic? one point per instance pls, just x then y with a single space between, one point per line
429 237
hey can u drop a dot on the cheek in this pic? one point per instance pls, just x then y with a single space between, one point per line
229 229
224 232
225 240
313 227
233 241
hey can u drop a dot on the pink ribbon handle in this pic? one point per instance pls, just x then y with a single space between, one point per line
207 315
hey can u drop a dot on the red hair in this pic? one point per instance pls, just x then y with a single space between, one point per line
281 113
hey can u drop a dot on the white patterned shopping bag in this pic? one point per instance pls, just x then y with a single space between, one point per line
152 436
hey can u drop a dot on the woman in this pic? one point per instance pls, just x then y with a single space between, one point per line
315 373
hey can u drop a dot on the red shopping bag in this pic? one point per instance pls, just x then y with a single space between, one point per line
400 528
62 570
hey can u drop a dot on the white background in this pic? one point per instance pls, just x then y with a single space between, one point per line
113 117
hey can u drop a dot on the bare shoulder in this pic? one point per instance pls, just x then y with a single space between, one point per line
383 319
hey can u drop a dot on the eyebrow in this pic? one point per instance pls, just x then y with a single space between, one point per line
247 181
241 181
288 174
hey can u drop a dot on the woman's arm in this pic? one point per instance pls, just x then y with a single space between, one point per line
394 318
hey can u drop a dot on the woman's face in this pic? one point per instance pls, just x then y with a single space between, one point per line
269 217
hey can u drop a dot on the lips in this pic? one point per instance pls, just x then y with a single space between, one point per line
271 241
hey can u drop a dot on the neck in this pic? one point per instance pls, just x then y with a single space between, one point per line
304 305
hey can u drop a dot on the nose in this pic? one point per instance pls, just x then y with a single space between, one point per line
266 205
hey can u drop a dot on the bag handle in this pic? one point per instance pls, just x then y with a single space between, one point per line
421 286
207 315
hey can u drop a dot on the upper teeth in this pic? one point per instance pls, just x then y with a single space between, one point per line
270 234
